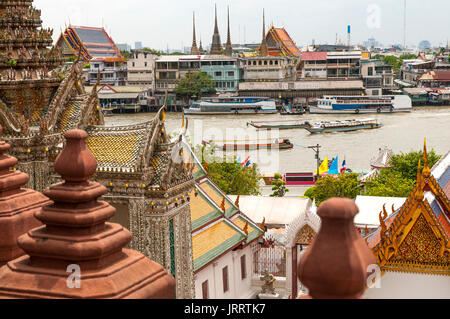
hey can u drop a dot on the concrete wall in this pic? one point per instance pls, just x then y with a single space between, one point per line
396 285
238 288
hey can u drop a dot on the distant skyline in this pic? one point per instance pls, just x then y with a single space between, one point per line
162 24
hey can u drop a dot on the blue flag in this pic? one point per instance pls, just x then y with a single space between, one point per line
334 167
344 164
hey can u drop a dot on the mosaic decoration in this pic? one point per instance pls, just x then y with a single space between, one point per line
305 235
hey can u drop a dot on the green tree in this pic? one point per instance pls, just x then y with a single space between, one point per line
234 179
399 180
406 163
345 186
228 174
195 84
389 183
279 186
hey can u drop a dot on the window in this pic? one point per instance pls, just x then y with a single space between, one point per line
133 64
243 268
218 73
144 64
205 290
225 279
231 73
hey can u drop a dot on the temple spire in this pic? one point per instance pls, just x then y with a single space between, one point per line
194 49
263 50
216 47
228 46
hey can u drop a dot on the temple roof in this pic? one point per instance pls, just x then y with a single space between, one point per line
215 233
286 45
416 237
119 148
95 42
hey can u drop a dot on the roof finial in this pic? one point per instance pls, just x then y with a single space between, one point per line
237 201
426 170
419 191
222 205
263 224
246 228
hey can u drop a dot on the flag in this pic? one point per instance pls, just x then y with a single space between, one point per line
245 162
323 167
248 163
334 167
344 168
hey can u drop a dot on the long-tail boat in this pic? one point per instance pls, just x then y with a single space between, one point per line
250 145
281 125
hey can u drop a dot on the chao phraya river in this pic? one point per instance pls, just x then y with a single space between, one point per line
401 132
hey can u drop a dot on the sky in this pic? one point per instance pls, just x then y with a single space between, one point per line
162 24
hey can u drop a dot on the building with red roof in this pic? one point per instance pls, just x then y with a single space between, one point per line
435 79
97 48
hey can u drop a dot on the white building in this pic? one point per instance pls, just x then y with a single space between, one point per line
141 66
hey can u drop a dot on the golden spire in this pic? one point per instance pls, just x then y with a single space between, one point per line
426 170
419 191
182 124
205 166
237 201
246 228
263 224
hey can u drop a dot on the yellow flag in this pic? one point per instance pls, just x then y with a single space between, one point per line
323 167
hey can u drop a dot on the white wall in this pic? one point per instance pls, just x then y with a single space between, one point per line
238 288
396 285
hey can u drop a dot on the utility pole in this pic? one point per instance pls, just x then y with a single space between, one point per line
316 149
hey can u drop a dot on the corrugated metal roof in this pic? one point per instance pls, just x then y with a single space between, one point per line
276 210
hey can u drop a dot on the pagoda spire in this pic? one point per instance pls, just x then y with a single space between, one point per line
194 49
263 50
216 47
228 46
200 48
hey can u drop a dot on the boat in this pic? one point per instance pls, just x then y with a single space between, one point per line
343 126
107 112
232 105
280 125
249 145
288 110
362 104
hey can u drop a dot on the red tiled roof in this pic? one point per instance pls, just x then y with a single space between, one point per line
437 75
314 56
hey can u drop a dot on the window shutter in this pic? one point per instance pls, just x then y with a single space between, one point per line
205 290
225 278
243 267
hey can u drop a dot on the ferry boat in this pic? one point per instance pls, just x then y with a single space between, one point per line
248 145
362 104
232 105
280 125
343 126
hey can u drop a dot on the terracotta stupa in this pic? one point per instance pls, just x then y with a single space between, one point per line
77 254
17 206
335 266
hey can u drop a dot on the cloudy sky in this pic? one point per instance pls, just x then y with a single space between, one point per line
168 23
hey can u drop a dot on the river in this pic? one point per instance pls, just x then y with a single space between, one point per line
401 132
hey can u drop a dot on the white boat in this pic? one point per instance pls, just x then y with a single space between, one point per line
362 104
232 105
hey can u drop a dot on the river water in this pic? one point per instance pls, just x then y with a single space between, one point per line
401 132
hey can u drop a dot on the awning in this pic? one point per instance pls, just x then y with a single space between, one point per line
400 82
